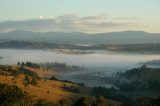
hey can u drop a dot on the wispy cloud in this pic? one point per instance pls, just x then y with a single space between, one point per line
126 18
100 17
71 23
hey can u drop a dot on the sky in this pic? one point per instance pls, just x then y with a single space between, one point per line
90 16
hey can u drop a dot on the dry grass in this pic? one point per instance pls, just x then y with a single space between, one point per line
46 89
43 73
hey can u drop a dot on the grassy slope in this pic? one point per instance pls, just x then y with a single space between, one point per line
47 89
43 73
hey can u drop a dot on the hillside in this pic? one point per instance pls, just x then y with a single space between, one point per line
29 83
40 90
46 89
126 37
139 82
149 48
143 73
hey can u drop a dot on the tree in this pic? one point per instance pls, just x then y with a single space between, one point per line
19 63
44 103
101 101
26 80
53 78
12 95
34 81
22 64
65 102
84 101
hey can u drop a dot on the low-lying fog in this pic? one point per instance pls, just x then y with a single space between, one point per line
97 64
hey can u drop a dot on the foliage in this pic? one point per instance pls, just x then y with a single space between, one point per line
29 64
65 102
28 72
148 101
53 78
11 95
84 101
101 101
71 89
110 93
34 81
44 103
27 78
61 66
8 70
142 79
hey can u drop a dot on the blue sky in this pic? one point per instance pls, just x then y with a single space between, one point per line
146 12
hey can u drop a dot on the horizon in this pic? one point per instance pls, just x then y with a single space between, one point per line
82 32
79 16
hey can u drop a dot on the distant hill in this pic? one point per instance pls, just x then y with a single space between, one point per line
126 37
148 48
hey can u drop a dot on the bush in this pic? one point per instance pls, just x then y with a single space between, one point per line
44 103
101 101
34 81
84 101
53 78
65 102
110 93
11 95
28 72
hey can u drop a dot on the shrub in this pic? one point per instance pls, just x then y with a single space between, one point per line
34 81
11 95
84 101
44 103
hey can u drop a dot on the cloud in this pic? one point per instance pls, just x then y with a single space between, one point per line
69 23
40 17
94 18
126 18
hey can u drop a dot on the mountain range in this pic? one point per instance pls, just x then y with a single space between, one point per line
125 37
